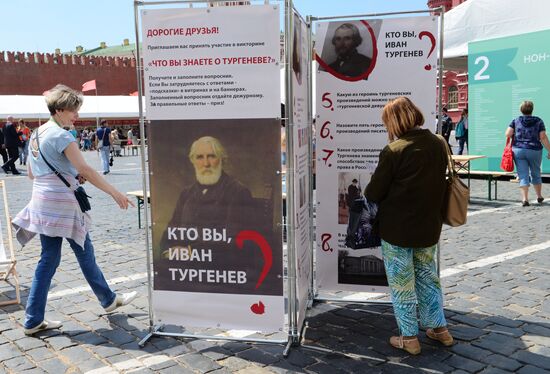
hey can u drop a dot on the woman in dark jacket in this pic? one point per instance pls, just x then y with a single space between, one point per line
528 137
409 186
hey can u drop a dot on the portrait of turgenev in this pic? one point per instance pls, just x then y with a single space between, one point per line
215 199
349 62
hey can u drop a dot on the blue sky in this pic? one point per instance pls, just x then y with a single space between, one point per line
40 25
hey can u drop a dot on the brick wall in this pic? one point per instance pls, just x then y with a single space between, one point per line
34 73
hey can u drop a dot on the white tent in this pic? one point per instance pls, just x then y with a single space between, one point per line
34 107
476 20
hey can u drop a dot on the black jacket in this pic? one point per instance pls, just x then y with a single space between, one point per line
409 185
446 125
11 137
353 65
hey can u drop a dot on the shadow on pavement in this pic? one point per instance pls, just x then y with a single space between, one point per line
340 338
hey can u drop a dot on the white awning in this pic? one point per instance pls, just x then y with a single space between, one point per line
34 107
476 20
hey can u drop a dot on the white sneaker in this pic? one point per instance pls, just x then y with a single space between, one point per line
121 300
45 325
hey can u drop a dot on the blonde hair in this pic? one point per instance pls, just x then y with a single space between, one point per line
527 107
401 115
62 97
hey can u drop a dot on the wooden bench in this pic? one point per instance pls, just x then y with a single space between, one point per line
462 163
140 201
491 176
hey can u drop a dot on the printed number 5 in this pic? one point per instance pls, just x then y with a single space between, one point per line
480 76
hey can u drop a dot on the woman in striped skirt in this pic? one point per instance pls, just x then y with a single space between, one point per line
54 212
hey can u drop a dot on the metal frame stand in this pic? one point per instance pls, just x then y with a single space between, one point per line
441 10
297 330
294 331
157 329
293 337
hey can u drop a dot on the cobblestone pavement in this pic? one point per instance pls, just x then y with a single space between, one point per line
494 271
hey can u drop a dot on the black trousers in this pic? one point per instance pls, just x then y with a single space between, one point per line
13 153
4 154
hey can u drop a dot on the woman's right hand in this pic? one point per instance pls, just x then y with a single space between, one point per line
121 199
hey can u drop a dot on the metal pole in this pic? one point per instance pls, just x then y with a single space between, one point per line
439 106
186 2
139 68
374 14
440 72
228 338
290 208
351 300
310 153
96 109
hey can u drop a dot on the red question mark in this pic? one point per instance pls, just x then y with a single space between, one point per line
257 238
432 41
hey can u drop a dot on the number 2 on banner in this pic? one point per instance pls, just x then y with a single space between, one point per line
479 75
327 102
328 154
326 245
325 131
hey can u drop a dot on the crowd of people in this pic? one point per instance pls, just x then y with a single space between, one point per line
14 139
13 145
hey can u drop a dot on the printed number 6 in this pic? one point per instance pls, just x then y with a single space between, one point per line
479 76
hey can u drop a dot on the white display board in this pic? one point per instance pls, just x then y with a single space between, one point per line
301 141
212 94
208 63
361 65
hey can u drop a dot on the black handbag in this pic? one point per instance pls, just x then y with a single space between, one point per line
362 229
79 192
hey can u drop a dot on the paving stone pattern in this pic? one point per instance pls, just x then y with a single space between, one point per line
499 313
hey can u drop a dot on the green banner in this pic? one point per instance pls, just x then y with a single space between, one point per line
502 74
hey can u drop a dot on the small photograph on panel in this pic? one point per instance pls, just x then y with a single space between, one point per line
350 51
350 188
365 267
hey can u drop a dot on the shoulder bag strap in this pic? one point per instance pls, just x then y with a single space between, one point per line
450 162
49 165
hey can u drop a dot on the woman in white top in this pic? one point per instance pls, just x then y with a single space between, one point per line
54 212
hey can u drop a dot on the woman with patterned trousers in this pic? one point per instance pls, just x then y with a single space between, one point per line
409 186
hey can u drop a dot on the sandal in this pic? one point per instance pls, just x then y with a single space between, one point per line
444 337
411 346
